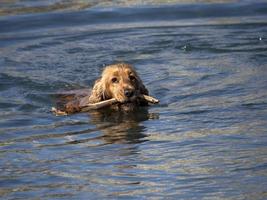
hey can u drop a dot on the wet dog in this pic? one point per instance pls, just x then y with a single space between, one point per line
119 81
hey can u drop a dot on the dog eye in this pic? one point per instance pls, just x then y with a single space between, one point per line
132 78
114 80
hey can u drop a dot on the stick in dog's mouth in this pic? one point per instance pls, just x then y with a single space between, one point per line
102 104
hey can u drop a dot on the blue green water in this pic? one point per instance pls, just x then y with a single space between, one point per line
206 62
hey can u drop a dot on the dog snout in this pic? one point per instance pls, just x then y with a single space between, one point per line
128 93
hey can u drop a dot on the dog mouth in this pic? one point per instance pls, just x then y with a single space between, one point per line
125 100
128 100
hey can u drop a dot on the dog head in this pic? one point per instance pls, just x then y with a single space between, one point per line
119 81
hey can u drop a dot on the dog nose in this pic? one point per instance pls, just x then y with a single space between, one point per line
129 93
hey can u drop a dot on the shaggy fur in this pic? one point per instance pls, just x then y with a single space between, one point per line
119 81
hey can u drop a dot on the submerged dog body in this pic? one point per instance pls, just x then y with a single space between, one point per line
119 81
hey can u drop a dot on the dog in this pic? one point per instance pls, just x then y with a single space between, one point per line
119 81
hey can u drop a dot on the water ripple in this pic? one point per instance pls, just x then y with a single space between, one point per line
206 139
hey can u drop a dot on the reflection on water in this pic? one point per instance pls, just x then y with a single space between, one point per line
205 62
120 127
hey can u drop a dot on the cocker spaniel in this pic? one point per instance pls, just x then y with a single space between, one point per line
119 81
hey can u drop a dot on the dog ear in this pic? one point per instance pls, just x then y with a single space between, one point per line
142 88
98 92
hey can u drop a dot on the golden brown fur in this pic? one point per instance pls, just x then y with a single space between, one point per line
119 81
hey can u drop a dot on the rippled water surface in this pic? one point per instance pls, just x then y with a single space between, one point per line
206 62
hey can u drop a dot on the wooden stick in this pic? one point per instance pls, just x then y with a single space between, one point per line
58 112
109 102
150 99
103 104
98 105
87 107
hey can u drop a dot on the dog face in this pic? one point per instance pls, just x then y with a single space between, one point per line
119 81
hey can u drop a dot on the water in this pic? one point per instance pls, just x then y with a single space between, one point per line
206 62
